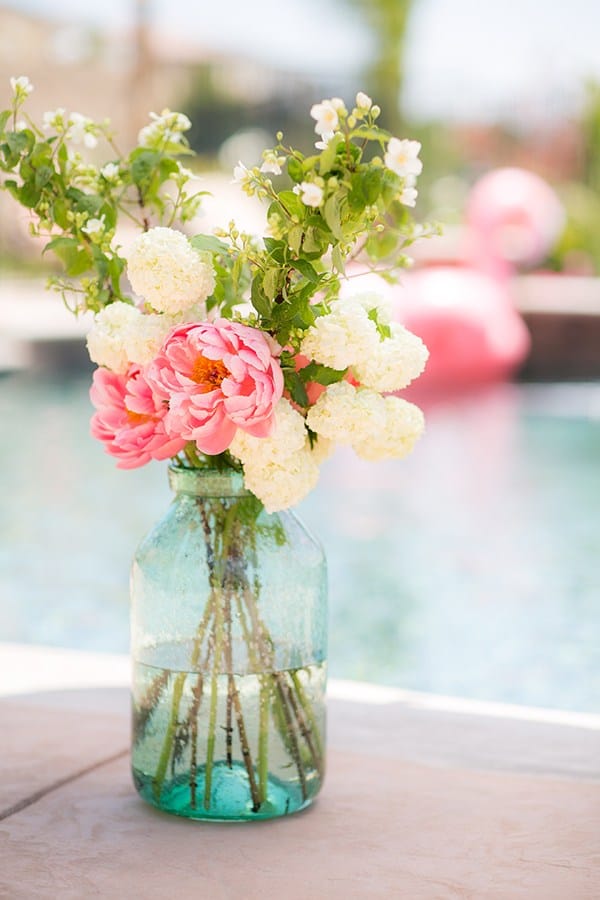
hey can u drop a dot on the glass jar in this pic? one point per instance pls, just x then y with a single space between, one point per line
229 633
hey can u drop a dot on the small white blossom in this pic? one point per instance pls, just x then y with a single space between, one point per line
337 103
164 268
272 163
54 119
326 116
21 86
402 157
166 128
81 130
310 194
94 227
110 171
363 101
408 197
322 144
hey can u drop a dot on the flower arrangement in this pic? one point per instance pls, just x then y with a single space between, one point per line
238 354
231 346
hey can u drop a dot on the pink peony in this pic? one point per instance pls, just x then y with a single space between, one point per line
130 418
217 377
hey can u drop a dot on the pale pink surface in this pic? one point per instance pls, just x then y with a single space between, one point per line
130 418
217 377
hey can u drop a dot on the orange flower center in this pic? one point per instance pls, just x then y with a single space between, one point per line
138 418
209 372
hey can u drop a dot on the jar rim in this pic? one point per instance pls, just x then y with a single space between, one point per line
207 482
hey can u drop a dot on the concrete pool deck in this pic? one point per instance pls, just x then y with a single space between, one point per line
425 797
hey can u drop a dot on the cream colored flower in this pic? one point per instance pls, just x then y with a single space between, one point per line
106 338
21 86
347 415
404 425
342 337
167 272
394 362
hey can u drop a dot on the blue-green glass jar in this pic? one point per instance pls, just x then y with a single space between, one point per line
229 633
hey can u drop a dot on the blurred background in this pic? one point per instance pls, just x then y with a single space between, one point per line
471 568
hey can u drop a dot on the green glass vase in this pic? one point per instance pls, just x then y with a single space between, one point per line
229 636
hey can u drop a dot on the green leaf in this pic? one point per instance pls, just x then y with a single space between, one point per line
43 175
323 374
76 259
30 194
4 117
143 165
314 241
295 169
327 157
276 249
372 181
271 282
337 259
295 386
304 267
383 330
209 242
294 238
332 214
380 245
292 204
258 297
364 132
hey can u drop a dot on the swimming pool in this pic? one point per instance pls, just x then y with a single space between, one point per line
471 568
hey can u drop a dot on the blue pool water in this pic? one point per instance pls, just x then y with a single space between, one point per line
471 568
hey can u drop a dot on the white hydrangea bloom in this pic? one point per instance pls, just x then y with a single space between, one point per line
346 414
288 436
394 362
280 469
164 268
322 449
402 157
144 337
279 486
370 300
106 339
341 337
404 425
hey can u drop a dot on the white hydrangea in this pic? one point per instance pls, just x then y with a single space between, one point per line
394 362
164 268
341 337
346 414
106 339
288 436
279 486
370 300
404 425
280 469
144 337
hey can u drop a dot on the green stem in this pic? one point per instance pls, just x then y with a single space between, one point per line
214 696
167 746
308 711
263 737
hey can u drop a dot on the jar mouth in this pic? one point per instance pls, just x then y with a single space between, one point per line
207 482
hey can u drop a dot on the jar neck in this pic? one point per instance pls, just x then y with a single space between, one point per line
207 482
